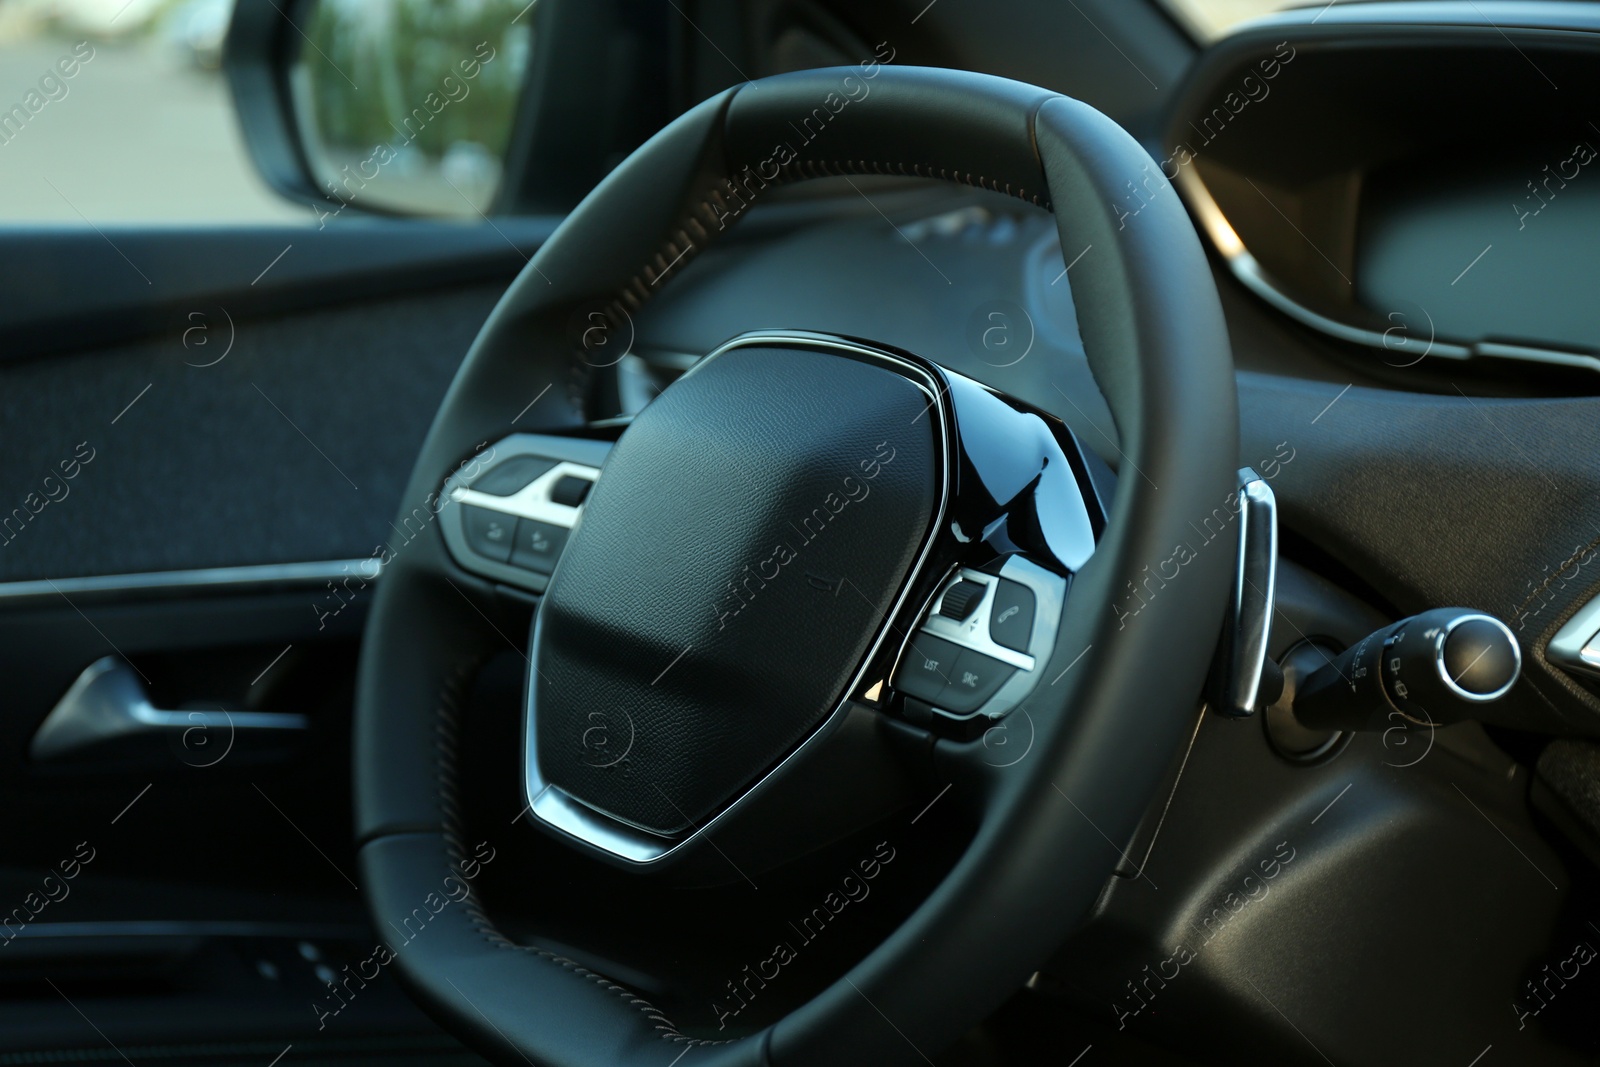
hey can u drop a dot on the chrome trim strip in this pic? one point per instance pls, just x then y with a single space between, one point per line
1576 646
536 499
567 814
1253 276
256 578
1438 659
1534 354
556 807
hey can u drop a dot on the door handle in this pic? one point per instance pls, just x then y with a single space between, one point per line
107 713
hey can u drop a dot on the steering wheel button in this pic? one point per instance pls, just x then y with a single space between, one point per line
1011 616
974 680
571 490
538 545
961 599
489 533
512 476
925 671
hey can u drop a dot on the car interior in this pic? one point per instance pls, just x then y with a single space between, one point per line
785 533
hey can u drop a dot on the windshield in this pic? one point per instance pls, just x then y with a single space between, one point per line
1210 19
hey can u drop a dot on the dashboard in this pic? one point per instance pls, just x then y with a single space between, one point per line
1351 175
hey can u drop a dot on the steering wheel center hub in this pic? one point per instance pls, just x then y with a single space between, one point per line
729 575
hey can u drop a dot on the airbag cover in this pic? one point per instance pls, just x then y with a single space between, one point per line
746 540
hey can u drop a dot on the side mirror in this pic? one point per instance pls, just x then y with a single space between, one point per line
398 106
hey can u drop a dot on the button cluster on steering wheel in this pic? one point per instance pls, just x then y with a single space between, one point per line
517 513
973 658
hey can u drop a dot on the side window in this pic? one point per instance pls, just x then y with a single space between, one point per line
118 113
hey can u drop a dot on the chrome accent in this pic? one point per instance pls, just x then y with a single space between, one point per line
1242 656
973 631
1576 646
1050 600
560 809
567 814
107 705
260 578
1535 354
1253 276
1438 659
534 500
572 455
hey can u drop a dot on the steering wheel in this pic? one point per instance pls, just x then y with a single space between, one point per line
805 587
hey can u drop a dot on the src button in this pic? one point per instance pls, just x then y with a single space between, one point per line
974 679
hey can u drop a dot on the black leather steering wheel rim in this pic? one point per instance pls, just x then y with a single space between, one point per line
1154 334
